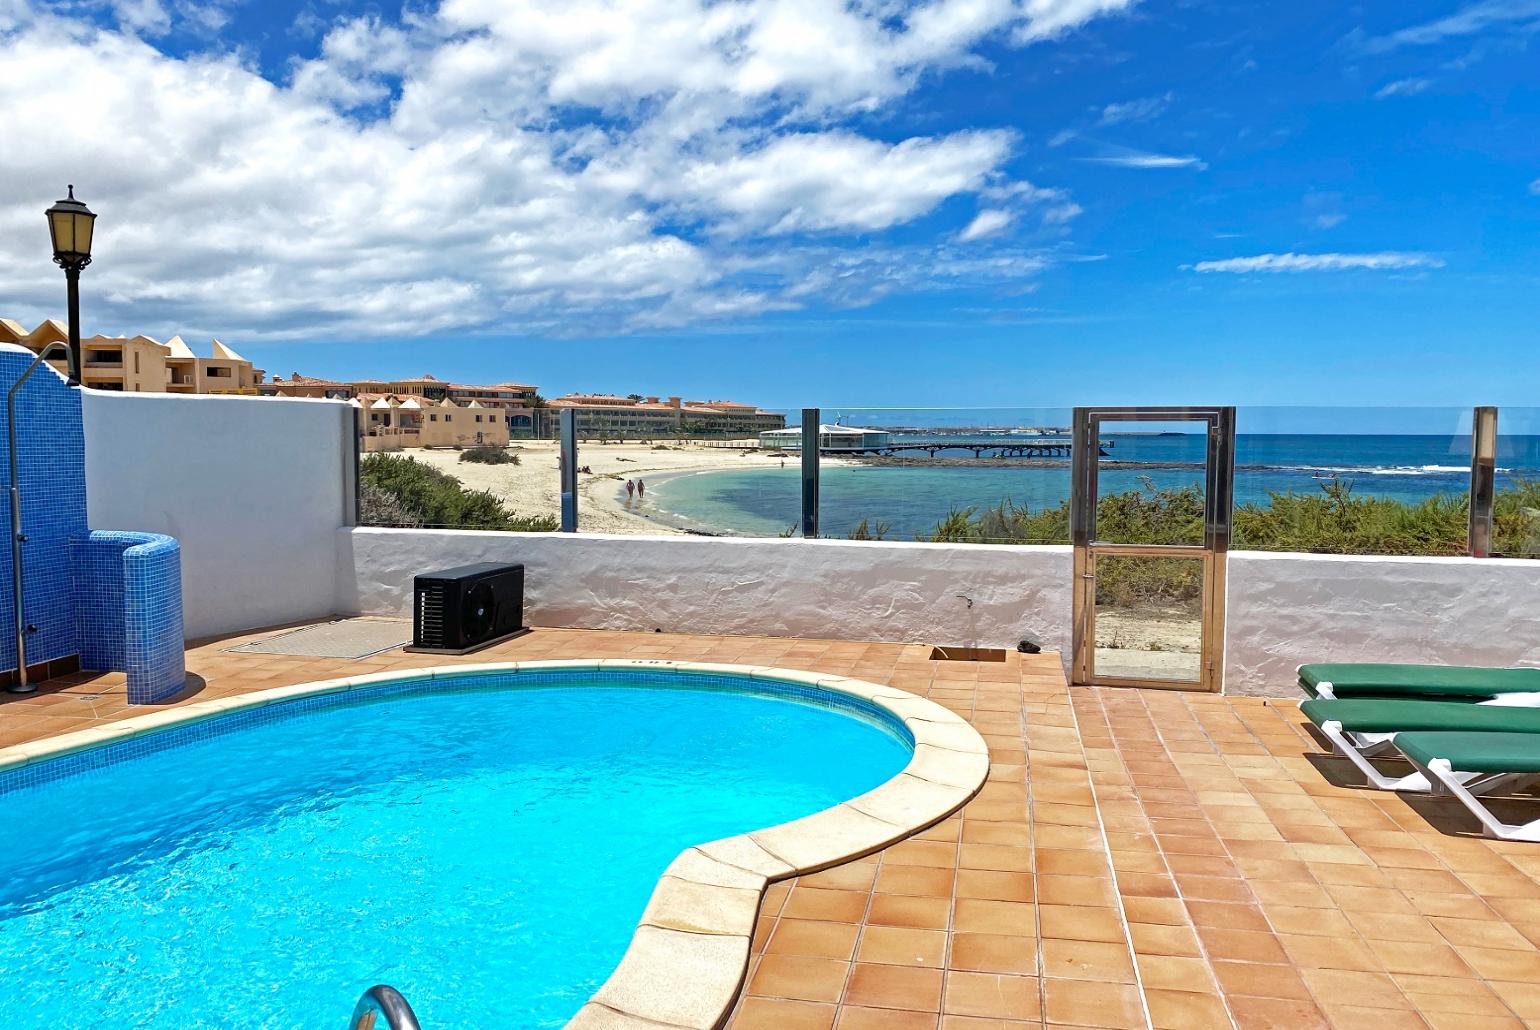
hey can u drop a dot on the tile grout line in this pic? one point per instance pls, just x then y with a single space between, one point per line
1031 820
1224 998
1101 828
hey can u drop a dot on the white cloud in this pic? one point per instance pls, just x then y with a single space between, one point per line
1141 159
1402 88
1324 210
985 223
1468 21
1135 110
499 165
143 16
1048 18
828 181
1534 187
1383 261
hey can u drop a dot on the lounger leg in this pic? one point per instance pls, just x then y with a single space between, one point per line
1368 744
1345 747
1449 780
1479 784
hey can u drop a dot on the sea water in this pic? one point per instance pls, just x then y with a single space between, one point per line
912 498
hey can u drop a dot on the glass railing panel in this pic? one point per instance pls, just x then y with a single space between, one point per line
1148 618
493 485
1341 480
962 475
634 477
1151 481
1516 500
702 482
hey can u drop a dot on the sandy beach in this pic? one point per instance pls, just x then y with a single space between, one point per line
533 486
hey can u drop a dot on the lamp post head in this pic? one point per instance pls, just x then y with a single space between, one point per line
70 224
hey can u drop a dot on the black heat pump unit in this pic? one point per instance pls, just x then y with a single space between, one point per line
457 611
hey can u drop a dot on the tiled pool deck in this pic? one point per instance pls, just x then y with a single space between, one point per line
1137 858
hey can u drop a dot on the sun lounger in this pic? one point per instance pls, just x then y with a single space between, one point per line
1453 761
1361 728
1361 679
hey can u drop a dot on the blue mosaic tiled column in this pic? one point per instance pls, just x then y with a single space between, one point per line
51 467
128 596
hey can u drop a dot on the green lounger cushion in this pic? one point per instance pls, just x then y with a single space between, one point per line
1475 752
1396 715
1351 679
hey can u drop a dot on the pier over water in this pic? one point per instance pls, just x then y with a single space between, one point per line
1052 449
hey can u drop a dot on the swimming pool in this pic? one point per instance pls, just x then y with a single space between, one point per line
484 841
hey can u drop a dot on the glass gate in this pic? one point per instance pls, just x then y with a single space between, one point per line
1150 522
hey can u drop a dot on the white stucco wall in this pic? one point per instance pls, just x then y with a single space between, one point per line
254 489
845 589
1283 609
1287 609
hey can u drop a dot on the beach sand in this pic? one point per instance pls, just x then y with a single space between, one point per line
533 487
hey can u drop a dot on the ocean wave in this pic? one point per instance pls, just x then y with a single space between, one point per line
1367 470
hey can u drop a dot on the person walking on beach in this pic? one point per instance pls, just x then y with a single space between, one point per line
641 488
630 489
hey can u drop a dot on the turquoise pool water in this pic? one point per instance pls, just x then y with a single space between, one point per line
484 848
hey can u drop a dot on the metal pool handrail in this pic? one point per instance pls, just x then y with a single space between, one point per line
383 1001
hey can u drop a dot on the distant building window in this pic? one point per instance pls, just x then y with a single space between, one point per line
432 418
136 365
478 418
219 372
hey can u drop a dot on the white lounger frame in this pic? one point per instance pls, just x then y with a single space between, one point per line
1446 781
1358 748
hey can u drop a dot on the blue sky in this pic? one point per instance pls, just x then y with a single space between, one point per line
955 203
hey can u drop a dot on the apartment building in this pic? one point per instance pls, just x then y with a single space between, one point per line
636 416
390 423
514 401
142 364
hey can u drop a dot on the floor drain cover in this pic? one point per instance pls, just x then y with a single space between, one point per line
345 638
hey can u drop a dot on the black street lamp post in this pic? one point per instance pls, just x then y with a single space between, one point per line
70 223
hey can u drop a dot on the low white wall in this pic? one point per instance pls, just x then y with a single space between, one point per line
1283 609
1288 609
255 489
844 589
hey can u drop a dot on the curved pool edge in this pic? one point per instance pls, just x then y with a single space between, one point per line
689 953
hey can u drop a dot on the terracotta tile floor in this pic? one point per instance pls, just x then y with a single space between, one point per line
1137 859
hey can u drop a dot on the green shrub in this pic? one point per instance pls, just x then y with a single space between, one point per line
1334 521
487 454
869 530
434 498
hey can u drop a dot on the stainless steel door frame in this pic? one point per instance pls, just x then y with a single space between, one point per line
1219 487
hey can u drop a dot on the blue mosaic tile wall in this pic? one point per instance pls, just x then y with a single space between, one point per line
98 761
51 467
115 599
128 608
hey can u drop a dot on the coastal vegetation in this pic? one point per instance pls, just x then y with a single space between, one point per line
487 454
401 491
1334 521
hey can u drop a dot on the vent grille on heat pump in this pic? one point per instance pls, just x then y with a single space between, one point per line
430 614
